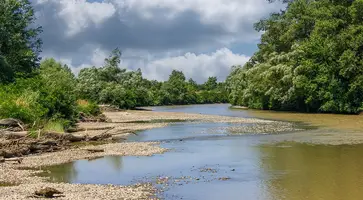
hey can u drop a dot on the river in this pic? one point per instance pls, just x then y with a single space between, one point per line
218 165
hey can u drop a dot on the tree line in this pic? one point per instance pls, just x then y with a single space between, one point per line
40 91
309 59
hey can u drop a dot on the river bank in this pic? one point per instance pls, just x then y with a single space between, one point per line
21 177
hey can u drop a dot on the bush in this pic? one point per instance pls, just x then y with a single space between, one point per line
21 103
88 108
54 126
48 95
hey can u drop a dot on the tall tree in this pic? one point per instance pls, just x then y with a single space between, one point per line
211 83
19 41
175 89
310 58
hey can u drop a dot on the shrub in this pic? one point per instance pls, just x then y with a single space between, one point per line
88 108
20 104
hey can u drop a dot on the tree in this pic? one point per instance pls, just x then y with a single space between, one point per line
309 59
6 73
175 90
19 41
59 85
211 83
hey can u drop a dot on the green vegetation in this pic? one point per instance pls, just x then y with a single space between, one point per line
19 41
309 60
112 85
47 94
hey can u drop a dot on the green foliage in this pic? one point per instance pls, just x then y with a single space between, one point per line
19 42
6 73
128 89
58 88
174 90
21 102
88 108
50 94
113 85
54 126
309 59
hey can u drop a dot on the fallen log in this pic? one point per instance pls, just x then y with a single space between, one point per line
48 193
120 137
102 136
10 122
95 150
73 130
74 138
14 135
90 158
19 160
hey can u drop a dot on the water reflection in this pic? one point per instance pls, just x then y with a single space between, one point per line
62 173
258 167
302 171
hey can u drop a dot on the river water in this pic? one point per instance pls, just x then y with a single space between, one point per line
203 165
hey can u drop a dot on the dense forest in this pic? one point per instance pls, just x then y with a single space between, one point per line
42 92
309 59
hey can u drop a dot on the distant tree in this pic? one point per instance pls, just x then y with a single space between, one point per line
192 84
175 90
211 83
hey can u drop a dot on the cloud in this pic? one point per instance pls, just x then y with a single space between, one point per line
196 66
199 67
160 30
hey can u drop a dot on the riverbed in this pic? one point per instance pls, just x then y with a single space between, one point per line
209 161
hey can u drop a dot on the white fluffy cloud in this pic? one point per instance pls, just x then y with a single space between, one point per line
228 13
155 35
199 67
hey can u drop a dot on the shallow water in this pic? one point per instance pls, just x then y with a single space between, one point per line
220 166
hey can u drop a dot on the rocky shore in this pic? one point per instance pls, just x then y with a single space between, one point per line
19 179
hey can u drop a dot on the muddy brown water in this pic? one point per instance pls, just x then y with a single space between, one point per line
223 166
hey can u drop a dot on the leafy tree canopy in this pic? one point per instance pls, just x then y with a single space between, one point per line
309 59
19 42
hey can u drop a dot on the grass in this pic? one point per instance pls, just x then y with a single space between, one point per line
88 108
54 126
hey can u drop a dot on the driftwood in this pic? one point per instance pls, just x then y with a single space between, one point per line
102 136
73 130
74 138
19 160
95 150
10 122
120 137
14 135
48 193
90 158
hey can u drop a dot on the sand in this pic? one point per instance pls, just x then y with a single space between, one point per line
124 122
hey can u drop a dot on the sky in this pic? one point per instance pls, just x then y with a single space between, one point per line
202 38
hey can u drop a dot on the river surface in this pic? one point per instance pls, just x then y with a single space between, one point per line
203 165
